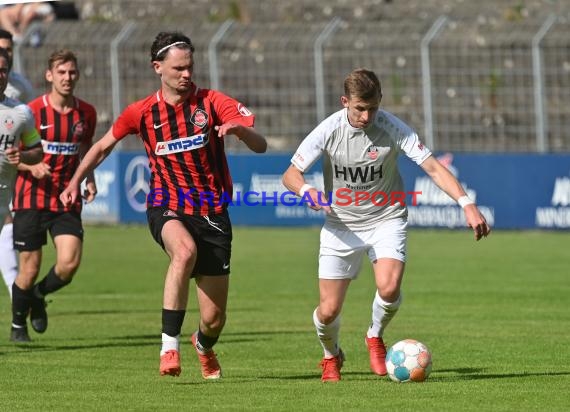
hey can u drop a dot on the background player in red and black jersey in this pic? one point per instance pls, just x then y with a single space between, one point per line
66 125
183 129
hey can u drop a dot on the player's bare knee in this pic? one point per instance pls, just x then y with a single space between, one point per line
214 321
66 266
66 271
184 260
26 278
328 313
389 293
184 255
27 275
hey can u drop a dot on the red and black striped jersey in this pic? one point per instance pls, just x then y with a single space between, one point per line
189 169
65 137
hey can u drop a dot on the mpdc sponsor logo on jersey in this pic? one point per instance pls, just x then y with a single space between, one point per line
435 208
60 148
183 144
557 215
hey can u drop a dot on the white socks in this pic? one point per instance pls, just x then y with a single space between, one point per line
382 314
8 256
328 335
170 343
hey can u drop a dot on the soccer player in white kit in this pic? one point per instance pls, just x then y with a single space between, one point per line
364 200
18 88
16 129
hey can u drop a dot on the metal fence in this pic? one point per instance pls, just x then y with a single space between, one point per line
480 85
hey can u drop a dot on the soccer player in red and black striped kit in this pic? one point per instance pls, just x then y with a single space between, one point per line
183 127
66 125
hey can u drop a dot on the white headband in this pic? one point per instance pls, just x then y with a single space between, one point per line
176 43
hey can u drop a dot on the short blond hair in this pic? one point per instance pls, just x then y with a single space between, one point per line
60 57
363 84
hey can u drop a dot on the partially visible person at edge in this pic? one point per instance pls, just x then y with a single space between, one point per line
67 125
18 17
19 143
183 128
18 88
360 145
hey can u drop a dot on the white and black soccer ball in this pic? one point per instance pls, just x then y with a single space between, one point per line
408 361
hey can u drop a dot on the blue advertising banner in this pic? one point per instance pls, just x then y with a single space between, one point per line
105 207
134 186
513 191
258 179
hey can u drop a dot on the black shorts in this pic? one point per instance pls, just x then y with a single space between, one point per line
31 227
212 234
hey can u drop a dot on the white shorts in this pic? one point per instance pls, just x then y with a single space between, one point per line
341 250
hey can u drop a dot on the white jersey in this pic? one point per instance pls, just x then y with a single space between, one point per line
360 167
19 88
17 129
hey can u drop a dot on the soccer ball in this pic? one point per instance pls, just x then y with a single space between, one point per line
408 361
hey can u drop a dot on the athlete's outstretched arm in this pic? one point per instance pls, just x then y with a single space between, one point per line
28 156
94 156
39 170
450 185
90 185
255 141
294 180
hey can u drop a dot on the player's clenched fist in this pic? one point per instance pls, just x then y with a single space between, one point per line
13 155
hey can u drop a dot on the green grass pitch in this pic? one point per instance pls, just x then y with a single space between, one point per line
493 313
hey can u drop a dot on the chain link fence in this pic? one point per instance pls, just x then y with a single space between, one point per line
467 85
